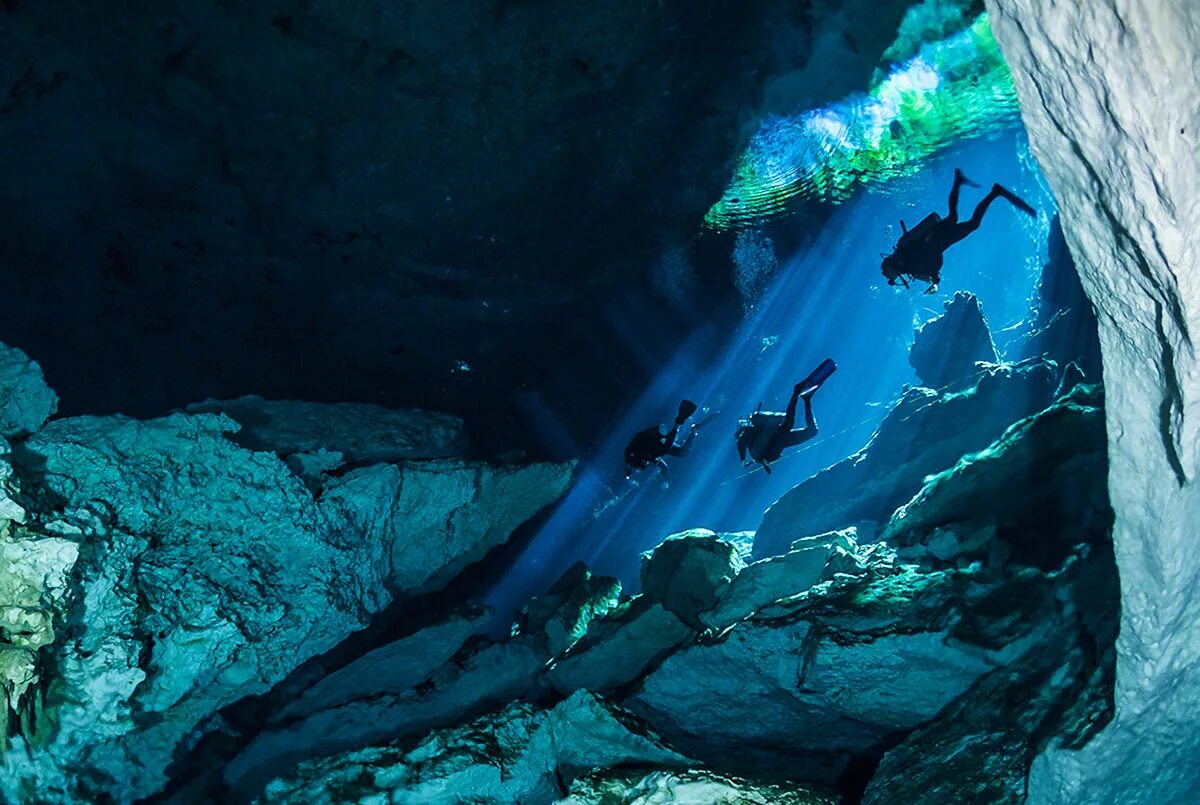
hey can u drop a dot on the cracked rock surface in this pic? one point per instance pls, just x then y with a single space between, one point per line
157 571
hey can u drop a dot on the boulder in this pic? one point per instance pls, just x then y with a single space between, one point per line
689 787
431 519
926 432
1058 693
947 348
619 648
776 577
688 572
812 681
560 617
26 402
519 755
361 433
1040 488
479 677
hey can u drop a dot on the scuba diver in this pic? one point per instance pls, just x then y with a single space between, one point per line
651 445
918 253
765 434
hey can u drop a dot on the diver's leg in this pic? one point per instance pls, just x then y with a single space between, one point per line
959 180
802 435
789 416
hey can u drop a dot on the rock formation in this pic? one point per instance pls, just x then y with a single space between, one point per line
947 348
520 754
926 432
1108 94
158 571
812 666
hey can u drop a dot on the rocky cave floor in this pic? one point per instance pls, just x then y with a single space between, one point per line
255 600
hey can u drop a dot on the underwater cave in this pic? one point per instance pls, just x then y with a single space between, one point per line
496 401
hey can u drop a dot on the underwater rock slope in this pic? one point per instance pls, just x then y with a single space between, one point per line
1108 94
982 636
159 571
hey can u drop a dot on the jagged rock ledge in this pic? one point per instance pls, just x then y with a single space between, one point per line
158 571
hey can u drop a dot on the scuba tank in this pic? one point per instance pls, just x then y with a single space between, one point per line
918 232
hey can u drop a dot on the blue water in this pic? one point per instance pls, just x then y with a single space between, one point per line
829 300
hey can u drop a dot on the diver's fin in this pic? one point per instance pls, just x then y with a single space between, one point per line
961 177
809 385
686 409
1014 199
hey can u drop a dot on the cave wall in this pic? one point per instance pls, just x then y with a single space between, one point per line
1109 92
339 201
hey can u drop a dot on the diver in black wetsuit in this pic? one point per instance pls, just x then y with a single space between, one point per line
918 253
650 446
764 435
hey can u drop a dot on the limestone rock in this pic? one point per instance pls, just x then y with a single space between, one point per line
560 617
1058 693
688 572
776 577
926 432
690 787
619 648
827 675
208 572
479 677
946 348
1064 325
519 755
430 519
1041 485
1107 94
361 433
26 402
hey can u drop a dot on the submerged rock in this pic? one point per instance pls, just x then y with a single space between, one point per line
688 572
557 619
430 519
359 433
206 573
619 648
691 787
520 755
1108 98
947 348
479 676
789 574
1039 488
815 679
1058 693
926 432
26 402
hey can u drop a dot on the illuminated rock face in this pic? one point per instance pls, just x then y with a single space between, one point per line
156 571
1108 93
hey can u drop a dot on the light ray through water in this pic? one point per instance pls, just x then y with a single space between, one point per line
827 301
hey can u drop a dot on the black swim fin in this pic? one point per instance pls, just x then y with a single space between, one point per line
1014 199
686 409
809 385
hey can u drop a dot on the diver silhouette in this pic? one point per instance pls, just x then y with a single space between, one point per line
650 446
764 435
918 253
